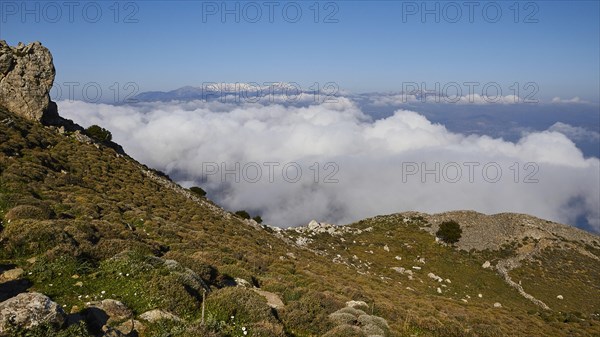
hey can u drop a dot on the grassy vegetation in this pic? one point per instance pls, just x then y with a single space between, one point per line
99 228
571 272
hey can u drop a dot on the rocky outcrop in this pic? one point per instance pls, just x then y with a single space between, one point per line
481 231
27 310
26 76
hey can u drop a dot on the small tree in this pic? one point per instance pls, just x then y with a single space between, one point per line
258 219
449 232
243 214
198 191
98 133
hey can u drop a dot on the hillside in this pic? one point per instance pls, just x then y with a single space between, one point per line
120 249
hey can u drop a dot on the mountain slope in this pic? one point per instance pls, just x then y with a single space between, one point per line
86 223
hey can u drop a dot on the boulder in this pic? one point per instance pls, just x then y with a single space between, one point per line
27 310
157 315
11 275
435 277
99 314
26 77
240 282
130 326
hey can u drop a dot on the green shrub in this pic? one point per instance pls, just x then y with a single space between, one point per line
310 314
107 247
243 214
234 271
195 329
46 330
341 318
198 191
98 133
244 305
449 232
25 238
266 329
258 219
27 212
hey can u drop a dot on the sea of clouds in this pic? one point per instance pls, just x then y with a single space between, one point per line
333 163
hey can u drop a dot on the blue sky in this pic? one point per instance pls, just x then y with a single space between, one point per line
369 48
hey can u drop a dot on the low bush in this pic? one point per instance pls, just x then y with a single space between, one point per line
26 238
46 330
342 318
243 214
99 133
373 325
266 329
449 232
27 212
198 191
239 306
345 331
310 314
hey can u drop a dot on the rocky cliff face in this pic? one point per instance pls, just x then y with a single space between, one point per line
26 76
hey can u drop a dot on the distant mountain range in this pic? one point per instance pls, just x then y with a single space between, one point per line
508 121
244 92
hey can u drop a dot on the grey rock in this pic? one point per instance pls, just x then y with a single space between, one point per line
157 315
27 310
26 76
240 282
131 326
273 300
98 314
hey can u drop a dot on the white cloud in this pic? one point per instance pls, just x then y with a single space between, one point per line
476 99
393 99
575 133
373 158
575 100
399 99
